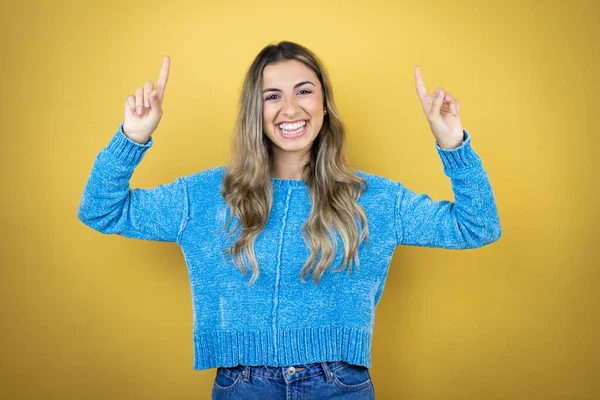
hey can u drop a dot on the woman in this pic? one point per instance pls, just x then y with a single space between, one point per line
287 208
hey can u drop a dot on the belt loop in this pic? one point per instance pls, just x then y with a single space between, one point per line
246 373
328 373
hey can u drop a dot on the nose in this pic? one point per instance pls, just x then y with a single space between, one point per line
290 107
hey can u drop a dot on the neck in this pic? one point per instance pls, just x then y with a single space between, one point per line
289 165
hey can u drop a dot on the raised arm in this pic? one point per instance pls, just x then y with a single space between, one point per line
108 204
471 220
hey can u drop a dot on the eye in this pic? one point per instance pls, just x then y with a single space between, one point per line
271 97
304 90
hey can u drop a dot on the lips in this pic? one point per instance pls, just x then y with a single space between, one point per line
292 136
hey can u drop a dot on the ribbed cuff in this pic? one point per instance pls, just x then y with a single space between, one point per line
460 158
125 149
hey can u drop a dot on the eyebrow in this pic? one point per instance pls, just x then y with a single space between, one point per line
295 86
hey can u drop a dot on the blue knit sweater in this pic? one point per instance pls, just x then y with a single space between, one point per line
279 320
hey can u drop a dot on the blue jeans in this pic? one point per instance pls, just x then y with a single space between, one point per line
326 380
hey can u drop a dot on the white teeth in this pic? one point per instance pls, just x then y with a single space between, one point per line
290 127
288 132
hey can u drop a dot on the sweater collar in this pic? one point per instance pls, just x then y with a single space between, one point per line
288 183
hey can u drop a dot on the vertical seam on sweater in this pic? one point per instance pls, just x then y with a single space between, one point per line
277 270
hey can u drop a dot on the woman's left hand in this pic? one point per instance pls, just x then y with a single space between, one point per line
441 110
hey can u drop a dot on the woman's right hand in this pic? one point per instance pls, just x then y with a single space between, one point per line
144 110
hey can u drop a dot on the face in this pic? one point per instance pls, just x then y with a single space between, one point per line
293 108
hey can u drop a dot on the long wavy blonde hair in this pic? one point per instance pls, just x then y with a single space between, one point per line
334 190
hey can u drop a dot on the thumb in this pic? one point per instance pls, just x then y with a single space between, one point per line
438 100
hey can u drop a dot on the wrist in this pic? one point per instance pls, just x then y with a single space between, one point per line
451 144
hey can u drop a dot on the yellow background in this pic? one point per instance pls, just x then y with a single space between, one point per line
92 316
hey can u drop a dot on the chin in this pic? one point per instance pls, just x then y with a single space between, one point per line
295 147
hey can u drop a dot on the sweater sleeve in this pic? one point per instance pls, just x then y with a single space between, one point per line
110 206
470 221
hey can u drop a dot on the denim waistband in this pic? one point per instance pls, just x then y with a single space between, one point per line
288 373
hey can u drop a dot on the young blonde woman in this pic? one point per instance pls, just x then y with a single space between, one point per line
287 208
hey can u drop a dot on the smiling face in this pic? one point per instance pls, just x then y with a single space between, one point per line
293 110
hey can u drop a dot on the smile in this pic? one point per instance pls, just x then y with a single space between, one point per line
292 130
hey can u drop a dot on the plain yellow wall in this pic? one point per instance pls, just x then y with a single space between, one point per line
92 316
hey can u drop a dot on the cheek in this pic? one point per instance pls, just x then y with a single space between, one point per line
267 115
315 109
314 106
267 121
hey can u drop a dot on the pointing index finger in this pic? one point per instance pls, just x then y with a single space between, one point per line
419 85
163 77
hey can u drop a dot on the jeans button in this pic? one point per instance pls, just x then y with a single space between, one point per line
291 370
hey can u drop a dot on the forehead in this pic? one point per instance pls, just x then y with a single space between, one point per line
287 73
